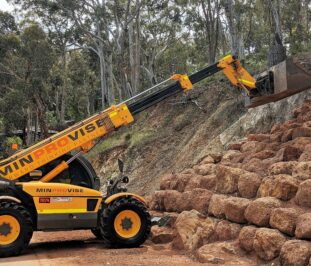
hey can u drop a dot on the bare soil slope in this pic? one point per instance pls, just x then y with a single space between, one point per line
169 136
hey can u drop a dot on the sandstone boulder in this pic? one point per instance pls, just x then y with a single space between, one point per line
205 169
193 230
282 168
302 171
259 137
301 132
252 146
265 154
189 171
246 238
292 124
176 181
295 253
217 206
277 128
258 212
227 179
303 196
206 182
284 219
172 200
161 235
156 201
168 200
229 155
303 117
283 187
303 226
299 143
235 208
166 181
306 155
287 135
248 185
307 124
223 253
197 199
226 231
239 158
207 160
289 153
301 110
235 146
268 243
256 166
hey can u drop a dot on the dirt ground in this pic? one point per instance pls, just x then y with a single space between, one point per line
82 248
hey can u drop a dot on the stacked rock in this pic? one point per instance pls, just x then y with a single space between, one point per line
256 197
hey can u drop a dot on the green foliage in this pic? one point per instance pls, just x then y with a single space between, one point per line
13 140
50 63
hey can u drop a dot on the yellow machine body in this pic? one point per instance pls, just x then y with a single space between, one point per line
63 206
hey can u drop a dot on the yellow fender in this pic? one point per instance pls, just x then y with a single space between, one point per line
121 195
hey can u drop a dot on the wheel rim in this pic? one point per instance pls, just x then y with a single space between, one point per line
9 229
127 224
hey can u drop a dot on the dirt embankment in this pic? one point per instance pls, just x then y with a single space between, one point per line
169 136
250 206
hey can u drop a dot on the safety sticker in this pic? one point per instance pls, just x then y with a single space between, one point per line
44 200
61 199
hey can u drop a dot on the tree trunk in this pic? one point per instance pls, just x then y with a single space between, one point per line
137 55
63 90
232 20
102 65
28 139
41 110
110 79
131 54
277 52
57 106
211 26
36 128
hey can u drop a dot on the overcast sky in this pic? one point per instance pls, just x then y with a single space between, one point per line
4 6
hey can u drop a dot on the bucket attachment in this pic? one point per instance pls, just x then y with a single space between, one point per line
282 80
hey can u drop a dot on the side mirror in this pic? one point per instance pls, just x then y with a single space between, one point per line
121 165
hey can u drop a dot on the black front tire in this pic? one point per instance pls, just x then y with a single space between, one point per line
108 217
20 213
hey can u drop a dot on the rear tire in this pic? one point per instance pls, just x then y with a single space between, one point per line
125 223
16 228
